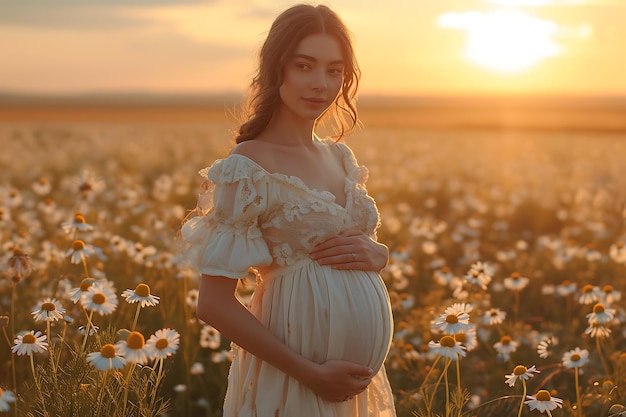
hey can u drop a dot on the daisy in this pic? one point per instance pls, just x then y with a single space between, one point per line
598 330
78 224
467 338
107 358
197 369
448 347
19 266
452 323
142 295
610 295
520 372
505 347
222 356
443 276
516 282
28 343
494 316
589 294
6 397
48 309
163 343
480 274
79 251
192 298
575 358
544 348
566 288
42 186
133 348
543 402
75 293
99 298
210 337
600 314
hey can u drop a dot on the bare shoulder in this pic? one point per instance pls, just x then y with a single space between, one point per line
337 148
256 151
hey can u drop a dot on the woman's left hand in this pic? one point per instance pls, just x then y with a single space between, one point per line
352 249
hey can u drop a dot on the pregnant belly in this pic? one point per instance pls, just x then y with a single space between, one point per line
328 314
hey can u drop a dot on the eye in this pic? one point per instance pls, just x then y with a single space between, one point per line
303 65
335 71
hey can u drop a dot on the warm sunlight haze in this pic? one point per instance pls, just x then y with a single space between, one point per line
407 47
506 41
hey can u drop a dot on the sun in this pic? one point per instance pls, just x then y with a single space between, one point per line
504 40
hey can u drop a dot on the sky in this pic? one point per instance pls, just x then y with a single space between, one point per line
404 47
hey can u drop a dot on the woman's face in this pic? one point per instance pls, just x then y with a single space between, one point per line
313 77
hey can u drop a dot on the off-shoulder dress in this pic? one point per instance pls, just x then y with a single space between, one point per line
250 217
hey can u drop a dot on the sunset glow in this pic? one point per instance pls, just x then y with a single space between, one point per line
505 40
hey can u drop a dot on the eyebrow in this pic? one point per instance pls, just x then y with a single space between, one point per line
310 58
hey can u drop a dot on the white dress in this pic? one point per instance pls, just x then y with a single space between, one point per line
249 217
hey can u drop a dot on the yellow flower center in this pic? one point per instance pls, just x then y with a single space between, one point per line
78 245
575 357
494 312
142 290
79 218
452 319
445 269
99 298
587 289
13 194
461 337
48 201
43 180
608 289
29 338
108 351
85 284
161 344
48 307
506 340
520 370
447 341
135 341
543 395
599 308
516 275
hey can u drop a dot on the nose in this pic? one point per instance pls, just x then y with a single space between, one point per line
319 81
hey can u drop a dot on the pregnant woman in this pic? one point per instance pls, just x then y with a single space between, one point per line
294 207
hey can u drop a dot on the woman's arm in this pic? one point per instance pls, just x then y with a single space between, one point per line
352 249
333 380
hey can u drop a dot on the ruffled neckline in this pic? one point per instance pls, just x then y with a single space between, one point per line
297 182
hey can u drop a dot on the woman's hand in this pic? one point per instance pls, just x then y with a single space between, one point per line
352 249
337 380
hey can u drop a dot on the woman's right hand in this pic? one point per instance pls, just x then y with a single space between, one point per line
338 380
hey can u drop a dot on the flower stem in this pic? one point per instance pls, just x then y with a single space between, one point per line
85 266
458 383
50 347
521 405
445 378
578 404
132 329
601 355
126 388
430 403
104 380
87 328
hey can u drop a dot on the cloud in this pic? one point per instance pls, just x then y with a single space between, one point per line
81 14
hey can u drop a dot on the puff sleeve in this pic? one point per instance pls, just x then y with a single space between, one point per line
224 238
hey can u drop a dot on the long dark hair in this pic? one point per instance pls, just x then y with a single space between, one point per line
286 33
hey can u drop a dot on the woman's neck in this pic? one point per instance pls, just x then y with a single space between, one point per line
286 130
